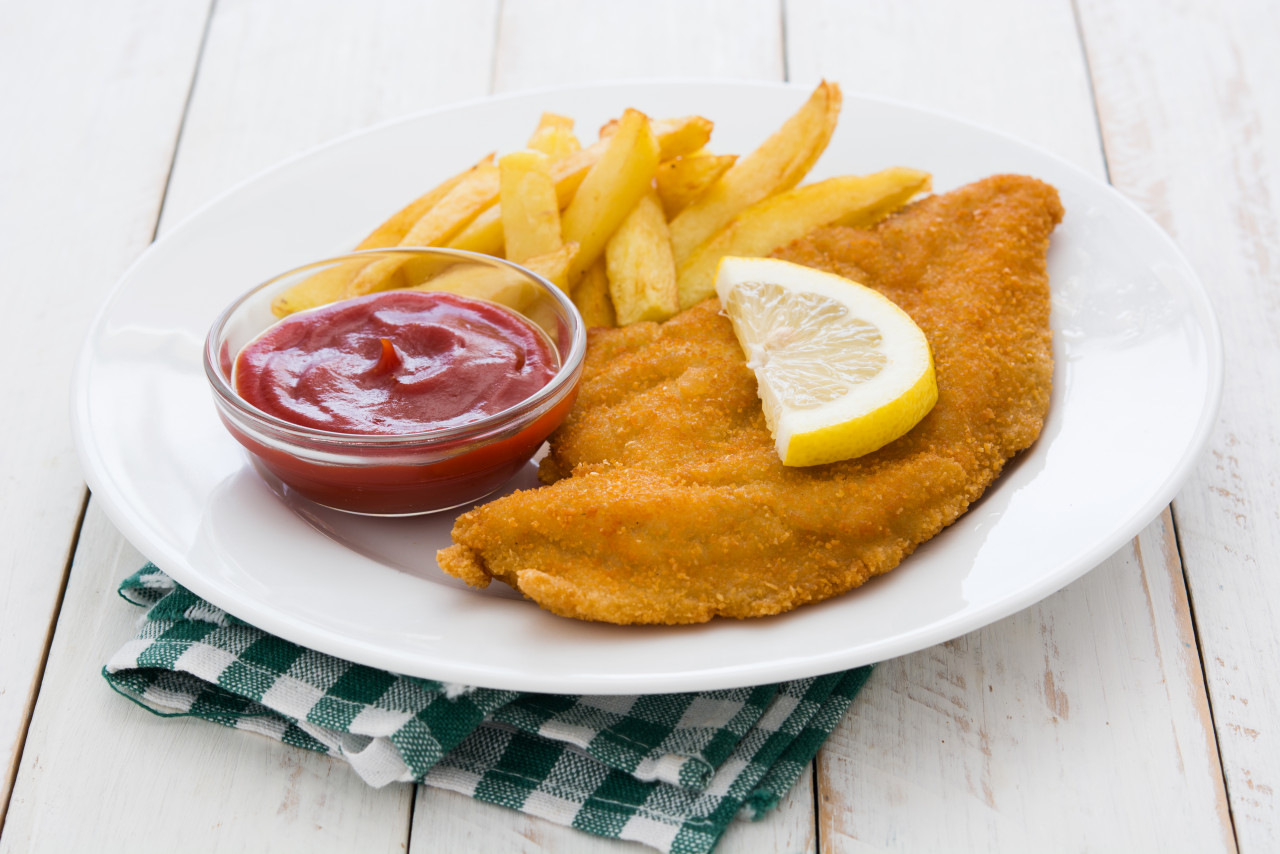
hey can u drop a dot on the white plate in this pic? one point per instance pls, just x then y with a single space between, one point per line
1136 389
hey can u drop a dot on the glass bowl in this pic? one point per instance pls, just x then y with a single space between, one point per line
414 473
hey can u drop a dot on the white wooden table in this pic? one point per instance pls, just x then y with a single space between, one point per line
1132 711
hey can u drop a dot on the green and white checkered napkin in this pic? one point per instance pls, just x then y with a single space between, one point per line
668 770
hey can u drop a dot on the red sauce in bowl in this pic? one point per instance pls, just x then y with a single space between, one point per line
423 401
395 363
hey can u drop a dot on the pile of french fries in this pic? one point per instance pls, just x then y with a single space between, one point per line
633 226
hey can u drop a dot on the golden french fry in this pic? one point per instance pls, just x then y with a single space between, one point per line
780 219
501 284
505 286
391 232
610 190
676 137
681 136
483 235
778 164
330 284
640 267
683 180
554 136
591 296
554 266
553 121
528 205
481 281
477 190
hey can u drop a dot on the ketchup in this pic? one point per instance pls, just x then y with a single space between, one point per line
395 362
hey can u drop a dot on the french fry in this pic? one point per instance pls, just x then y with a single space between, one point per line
529 208
777 165
554 136
554 266
679 136
483 235
330 284
676 137
326 286
498 284
391 232
780 219
508 287
640 267
591 296
683 180
477 190
610 190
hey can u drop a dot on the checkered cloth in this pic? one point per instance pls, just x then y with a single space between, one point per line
668 770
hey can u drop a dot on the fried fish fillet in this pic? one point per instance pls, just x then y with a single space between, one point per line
668 503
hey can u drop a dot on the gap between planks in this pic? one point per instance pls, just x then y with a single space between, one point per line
33 692
1204 673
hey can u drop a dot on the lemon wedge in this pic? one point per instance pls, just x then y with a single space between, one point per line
842 371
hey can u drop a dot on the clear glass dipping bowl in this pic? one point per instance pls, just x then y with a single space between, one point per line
409 474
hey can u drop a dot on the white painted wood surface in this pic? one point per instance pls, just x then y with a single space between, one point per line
279 78
1030 702
562 42
268 87
1079 724
83 162
1189 99
100 773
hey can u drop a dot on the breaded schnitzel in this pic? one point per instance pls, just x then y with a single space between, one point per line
668 503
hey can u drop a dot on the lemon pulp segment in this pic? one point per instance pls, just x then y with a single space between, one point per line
842 371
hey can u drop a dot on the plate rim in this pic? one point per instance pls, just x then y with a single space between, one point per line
937 631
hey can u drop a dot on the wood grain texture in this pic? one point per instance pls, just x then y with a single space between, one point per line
447 821
274 79
1079 724
1049 697
101 774
1076 725
1014 66
279 78
92 103
558 42
1189 101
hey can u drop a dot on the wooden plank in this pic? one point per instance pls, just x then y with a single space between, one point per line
279 78
274 79
954 746
92 110
560 42
446 822
1078 725
1189 102
99 773
1013 66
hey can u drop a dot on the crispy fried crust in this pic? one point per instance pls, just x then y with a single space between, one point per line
668 502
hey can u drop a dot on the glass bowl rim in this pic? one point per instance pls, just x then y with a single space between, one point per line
570 364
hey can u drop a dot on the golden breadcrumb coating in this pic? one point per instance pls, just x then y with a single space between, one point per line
668 503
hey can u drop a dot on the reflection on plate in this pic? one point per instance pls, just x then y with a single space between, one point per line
1136 387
